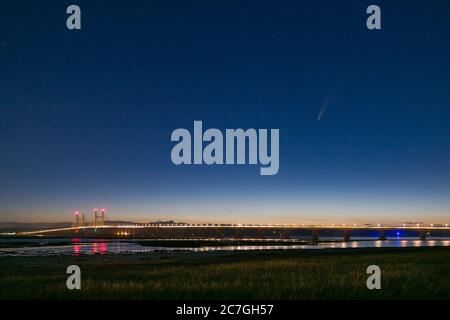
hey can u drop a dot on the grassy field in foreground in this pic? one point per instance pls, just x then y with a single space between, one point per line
407 273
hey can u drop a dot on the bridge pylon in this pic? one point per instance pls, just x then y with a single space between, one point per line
99 218
79 219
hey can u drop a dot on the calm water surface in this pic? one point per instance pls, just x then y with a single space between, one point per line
24 247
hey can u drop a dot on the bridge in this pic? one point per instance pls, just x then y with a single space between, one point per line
98 228
185 230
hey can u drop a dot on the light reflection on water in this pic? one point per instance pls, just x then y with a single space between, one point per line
93 247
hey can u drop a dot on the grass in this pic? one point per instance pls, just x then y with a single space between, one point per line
407 273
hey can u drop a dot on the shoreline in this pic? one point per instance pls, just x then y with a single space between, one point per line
88 247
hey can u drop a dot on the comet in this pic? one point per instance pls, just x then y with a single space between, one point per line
326 101
323 108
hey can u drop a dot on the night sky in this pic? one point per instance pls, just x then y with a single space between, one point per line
86 116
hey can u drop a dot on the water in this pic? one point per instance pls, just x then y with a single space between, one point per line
23 247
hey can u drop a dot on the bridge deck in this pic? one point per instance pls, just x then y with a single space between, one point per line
240 226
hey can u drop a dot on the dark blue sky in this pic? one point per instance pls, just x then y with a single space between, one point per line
86 116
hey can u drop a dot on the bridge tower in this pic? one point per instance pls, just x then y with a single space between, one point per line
103 216
99 218
79 219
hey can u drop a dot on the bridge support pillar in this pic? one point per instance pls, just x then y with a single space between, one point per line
261 233
346 235
423 235
218 232
382 235
315 236
203 232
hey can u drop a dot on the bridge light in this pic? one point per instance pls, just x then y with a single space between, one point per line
417 224
404 225
379 224
354 224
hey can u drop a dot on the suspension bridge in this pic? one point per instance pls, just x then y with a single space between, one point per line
98 228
